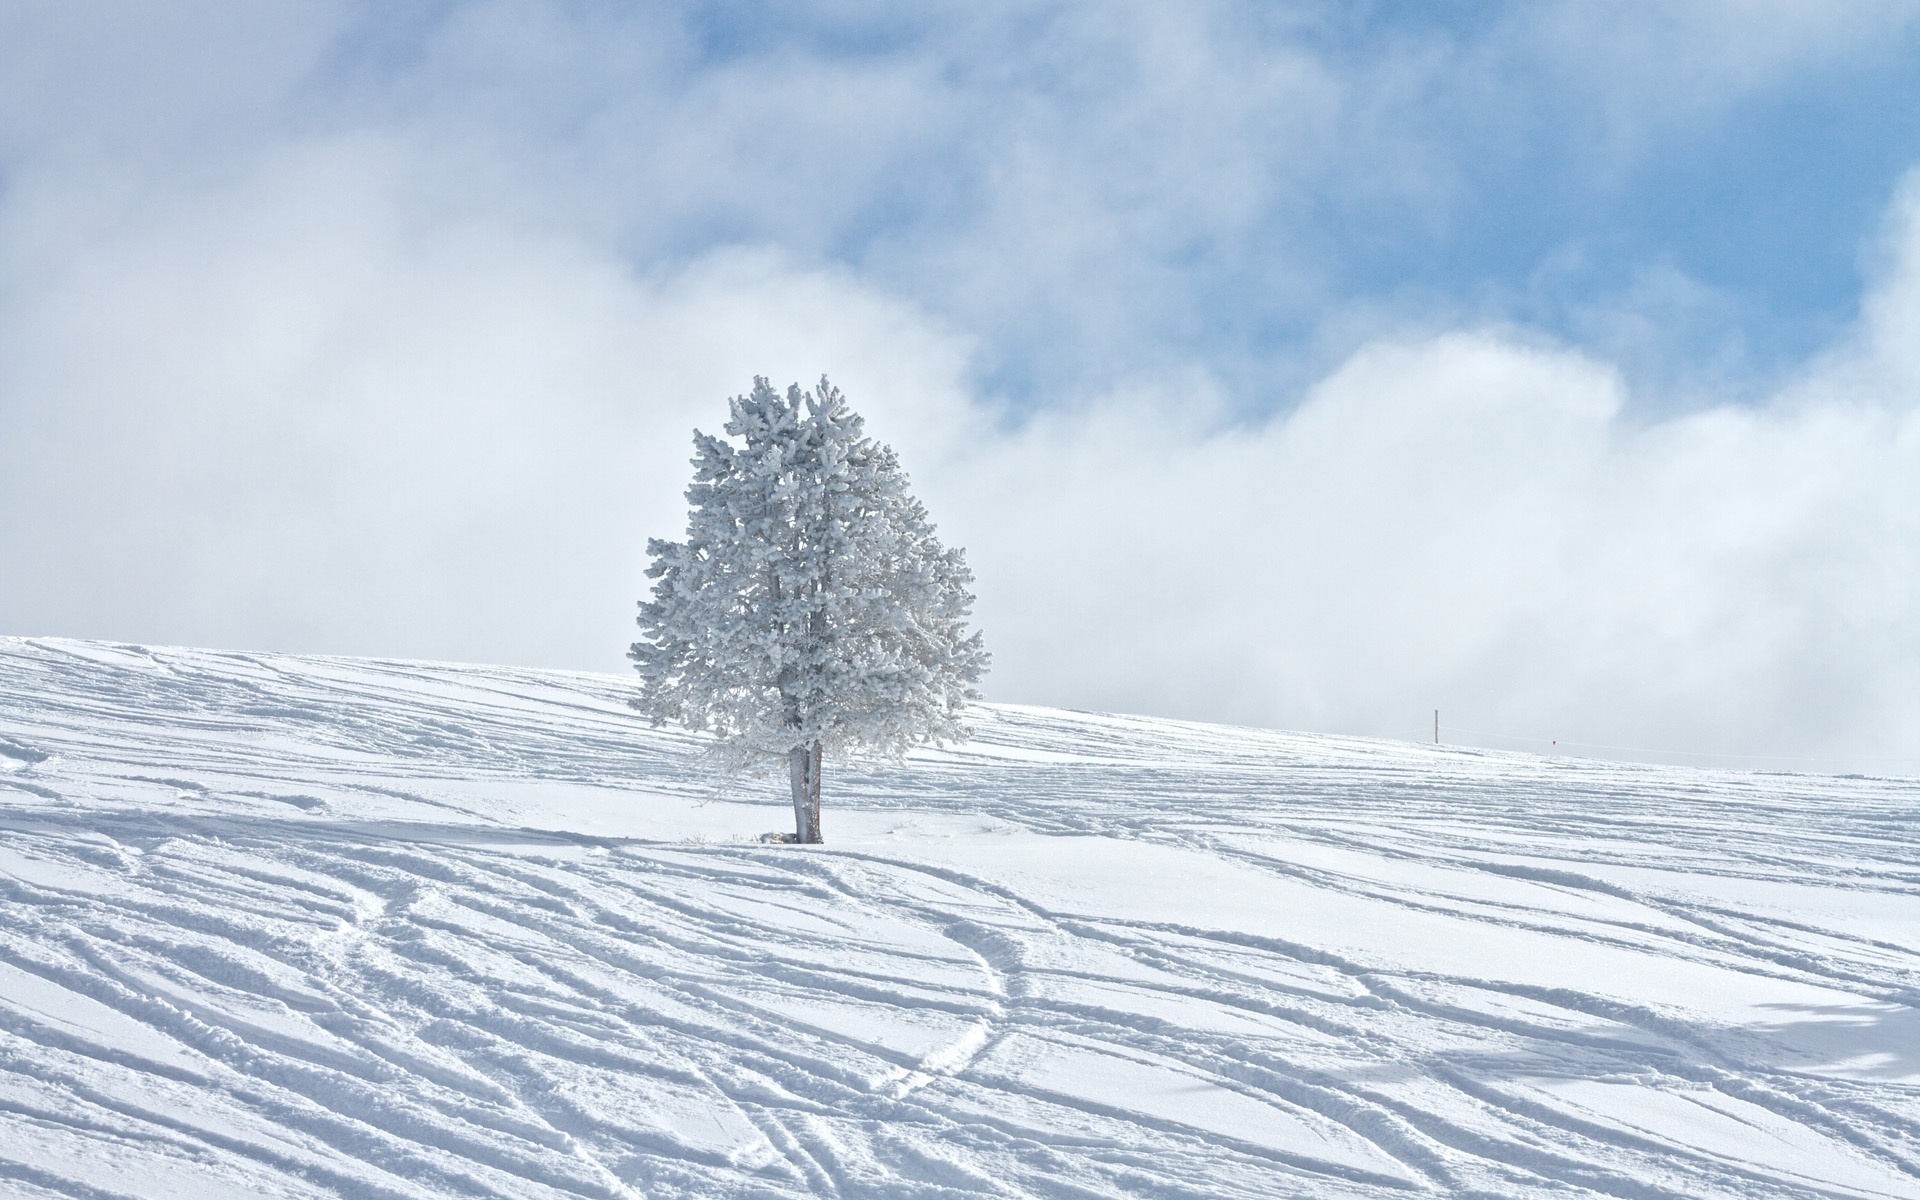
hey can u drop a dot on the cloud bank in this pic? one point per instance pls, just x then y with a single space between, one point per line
394 347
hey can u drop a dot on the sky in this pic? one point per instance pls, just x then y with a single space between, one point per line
1307 365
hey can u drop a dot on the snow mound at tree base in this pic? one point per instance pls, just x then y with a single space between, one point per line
280 926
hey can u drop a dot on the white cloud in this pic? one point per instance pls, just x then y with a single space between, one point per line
299 412
1480 524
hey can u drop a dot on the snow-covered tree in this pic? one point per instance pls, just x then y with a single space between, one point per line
811 609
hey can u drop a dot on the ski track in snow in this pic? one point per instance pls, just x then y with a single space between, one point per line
286 926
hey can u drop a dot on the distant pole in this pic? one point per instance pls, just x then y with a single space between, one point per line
1436 727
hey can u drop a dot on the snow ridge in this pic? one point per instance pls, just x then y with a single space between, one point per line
296 926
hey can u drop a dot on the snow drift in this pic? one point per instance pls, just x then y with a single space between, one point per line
292 926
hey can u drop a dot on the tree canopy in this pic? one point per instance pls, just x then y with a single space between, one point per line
810 609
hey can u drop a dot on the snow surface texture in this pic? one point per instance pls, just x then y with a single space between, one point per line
277 926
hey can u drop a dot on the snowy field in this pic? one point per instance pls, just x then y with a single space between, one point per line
276 926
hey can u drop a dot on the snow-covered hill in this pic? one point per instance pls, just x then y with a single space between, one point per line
304 926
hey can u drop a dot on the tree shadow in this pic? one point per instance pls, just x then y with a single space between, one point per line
146 827
1873 1040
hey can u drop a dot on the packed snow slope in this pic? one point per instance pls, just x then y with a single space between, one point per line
278 926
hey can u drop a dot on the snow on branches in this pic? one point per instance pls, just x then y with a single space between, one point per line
811 608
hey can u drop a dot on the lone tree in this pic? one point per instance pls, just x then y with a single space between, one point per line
811 609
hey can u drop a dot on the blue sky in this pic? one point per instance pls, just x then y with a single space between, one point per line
343 327
1093 191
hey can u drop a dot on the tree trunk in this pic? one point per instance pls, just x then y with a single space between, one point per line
803 771
797 774
814 755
